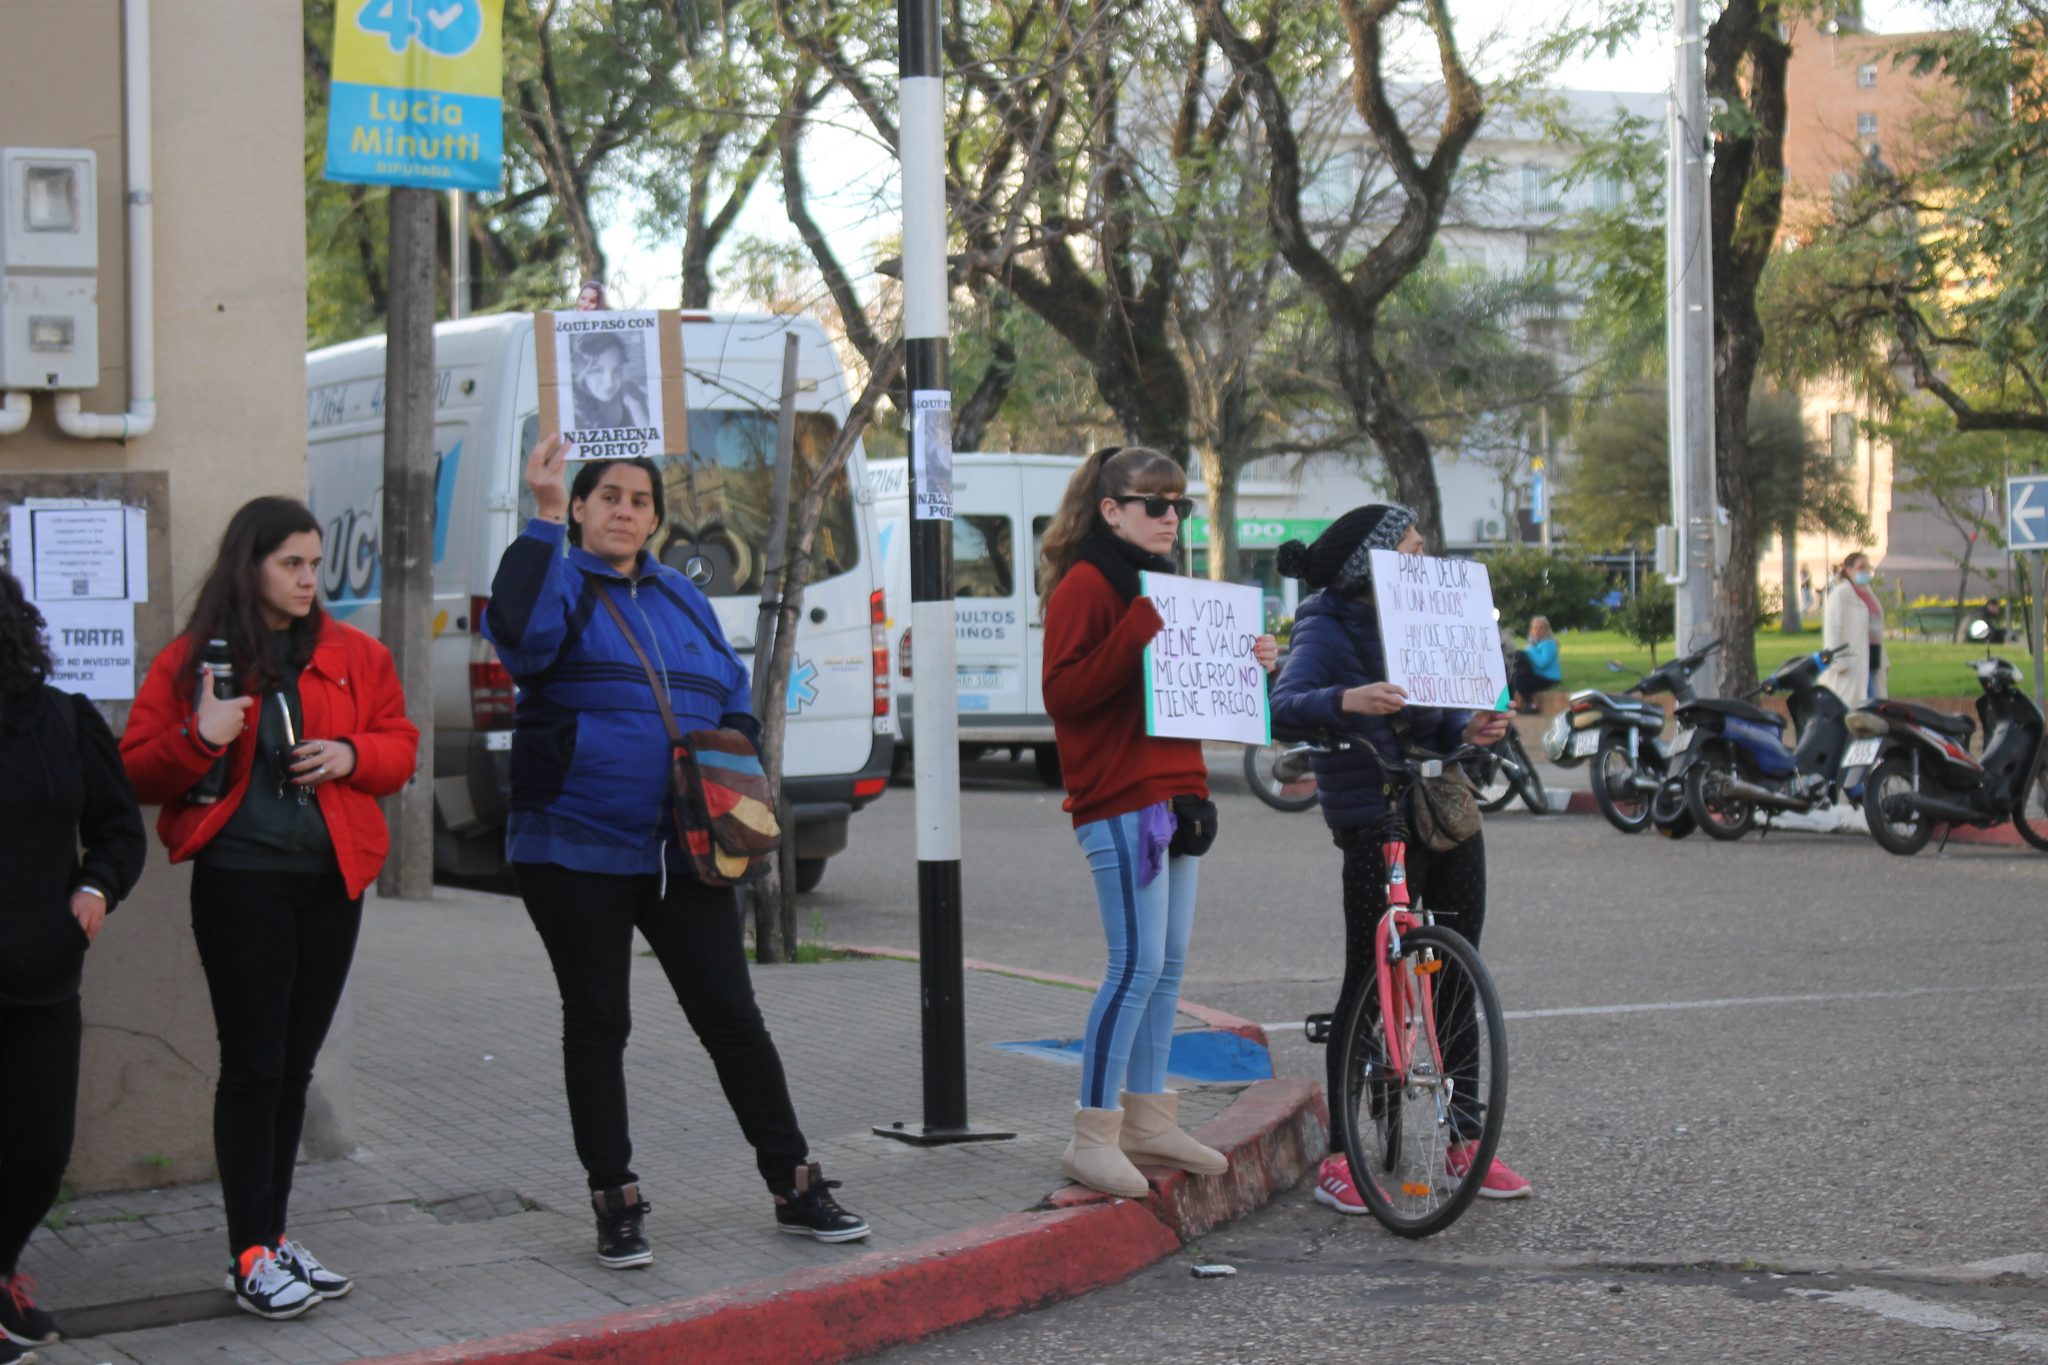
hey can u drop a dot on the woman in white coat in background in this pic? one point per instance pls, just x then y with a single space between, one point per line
1854 618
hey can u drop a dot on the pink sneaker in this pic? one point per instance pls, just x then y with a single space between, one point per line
1334 1187
1501 1181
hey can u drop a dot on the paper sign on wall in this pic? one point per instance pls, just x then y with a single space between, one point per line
92 645
613 382
1203 679
1438 626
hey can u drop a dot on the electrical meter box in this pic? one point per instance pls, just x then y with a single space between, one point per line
49 269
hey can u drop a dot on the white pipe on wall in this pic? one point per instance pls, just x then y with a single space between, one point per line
14 410
141 415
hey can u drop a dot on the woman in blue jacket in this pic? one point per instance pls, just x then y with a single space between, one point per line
590 833
1336 679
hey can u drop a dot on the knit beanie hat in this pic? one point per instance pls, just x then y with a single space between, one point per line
1341 556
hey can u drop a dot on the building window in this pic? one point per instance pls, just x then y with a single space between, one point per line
1866 75
1842 437
1866 125
1539 191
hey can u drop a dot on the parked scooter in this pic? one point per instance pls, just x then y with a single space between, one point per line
1619 733
1924 774
1734 760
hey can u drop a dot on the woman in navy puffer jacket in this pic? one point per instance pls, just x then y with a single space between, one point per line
591 834
1336 678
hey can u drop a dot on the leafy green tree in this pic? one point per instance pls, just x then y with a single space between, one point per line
1649 617
1527 582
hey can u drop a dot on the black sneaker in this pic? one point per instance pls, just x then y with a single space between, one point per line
810 1209
307 1267
269 1289
621 1242
21 1322
11 1354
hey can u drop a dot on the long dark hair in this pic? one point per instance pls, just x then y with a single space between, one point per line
230 600
1108 473
585 483
24 656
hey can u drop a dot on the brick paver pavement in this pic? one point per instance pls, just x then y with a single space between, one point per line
463 1212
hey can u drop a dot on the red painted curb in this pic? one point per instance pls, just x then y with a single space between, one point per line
1997 836
1581 803
879 1300
1219 1020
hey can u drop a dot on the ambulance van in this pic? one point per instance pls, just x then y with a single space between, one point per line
1002 505
842 729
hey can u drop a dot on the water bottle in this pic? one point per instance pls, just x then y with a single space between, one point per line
211 787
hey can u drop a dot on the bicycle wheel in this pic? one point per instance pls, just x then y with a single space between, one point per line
1626 806
1527 783
1299 794
1495 783
2030 812
1398 1131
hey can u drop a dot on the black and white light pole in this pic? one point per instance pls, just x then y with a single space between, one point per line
1688 548
935 717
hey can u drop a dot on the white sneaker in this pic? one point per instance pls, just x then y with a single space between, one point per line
270 1289
322 1281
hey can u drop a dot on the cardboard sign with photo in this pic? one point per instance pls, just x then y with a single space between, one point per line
612 382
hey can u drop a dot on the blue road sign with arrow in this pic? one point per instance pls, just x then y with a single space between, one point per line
2026 512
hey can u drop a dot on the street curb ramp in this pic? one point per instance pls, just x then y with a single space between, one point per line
1273 1133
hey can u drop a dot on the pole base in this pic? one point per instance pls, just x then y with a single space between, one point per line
923 1136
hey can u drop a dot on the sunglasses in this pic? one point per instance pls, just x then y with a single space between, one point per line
1157 506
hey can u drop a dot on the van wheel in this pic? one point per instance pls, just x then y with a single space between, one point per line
1046 758
900 766
809 872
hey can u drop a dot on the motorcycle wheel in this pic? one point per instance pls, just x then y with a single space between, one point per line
1722 816
1625 805
1889 780
1669 814
2030 815
1265 784
1495 783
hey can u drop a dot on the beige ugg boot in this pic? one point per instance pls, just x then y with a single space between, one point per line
1151 1133
1094 1159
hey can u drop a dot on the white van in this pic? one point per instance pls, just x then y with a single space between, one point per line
1002 505
841 729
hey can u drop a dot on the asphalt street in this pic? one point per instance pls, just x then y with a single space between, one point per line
1779 1100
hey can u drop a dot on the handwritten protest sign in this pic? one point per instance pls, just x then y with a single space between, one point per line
1437 623
612 382
1203 679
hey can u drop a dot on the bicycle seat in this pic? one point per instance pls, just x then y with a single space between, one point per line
1740 710
1941 722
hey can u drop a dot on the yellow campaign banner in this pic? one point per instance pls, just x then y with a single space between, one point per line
416 94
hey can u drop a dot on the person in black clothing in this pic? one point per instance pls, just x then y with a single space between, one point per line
62 788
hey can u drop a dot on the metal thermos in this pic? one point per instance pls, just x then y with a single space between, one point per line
214 784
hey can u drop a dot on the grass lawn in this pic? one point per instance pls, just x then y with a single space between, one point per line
1919 669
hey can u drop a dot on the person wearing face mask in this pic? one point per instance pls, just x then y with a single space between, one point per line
591 833
1135 801
281 857
1336 679
1855 619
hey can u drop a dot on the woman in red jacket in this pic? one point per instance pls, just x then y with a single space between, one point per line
1130 795
282 851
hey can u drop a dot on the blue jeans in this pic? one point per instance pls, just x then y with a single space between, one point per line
1130 1025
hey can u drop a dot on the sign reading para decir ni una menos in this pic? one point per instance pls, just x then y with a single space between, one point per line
1203 678
1439 630
416 96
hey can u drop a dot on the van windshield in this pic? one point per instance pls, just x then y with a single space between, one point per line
719 501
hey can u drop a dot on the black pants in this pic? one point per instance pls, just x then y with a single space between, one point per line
1525 681
586 920
38 1113
1452 887
276 947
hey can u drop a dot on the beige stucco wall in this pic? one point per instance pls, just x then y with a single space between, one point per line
230 342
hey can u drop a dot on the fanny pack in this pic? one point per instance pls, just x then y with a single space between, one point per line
724 817
1443 811
1194 826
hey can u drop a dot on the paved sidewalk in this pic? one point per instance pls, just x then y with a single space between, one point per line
463 1213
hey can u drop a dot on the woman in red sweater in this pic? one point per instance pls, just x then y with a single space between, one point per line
1140 805
284 847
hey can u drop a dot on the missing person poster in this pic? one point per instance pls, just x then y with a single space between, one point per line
1203 678
612 383
1438 627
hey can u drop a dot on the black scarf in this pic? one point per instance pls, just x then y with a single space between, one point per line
1119 561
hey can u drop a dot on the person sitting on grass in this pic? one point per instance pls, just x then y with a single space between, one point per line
1536 667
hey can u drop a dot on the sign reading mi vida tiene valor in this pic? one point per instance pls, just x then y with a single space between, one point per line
416 95
1438 627
1203 679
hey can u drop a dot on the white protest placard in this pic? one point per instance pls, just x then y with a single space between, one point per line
612 382
1203 679
1441 638
92 645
